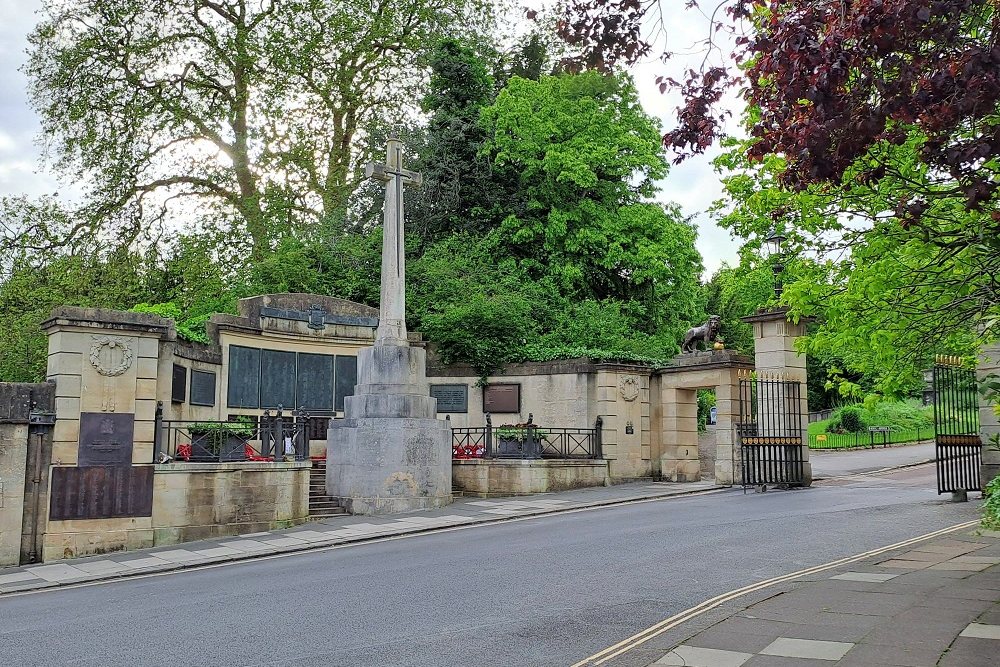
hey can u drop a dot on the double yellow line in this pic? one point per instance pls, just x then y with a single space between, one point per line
649 633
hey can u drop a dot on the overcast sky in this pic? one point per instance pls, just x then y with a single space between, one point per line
693 184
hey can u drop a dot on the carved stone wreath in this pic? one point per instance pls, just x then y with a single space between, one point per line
113 343
629 387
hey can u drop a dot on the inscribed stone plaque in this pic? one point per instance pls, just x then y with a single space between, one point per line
314 385
347 377
178 387
451 397
502 398
244 377
277 379
202 388
105 439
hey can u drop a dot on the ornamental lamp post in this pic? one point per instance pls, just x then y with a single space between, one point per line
774 243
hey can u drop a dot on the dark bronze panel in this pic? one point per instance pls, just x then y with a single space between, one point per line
202 388
347 377
101 492
277 379
502 398
244 377
178 388
314 385
106 439
451 397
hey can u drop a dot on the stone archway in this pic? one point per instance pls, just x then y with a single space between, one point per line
674 403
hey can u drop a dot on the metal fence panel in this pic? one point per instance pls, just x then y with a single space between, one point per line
957 446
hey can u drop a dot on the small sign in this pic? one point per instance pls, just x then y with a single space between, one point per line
502 398
821 437
451 397
879 429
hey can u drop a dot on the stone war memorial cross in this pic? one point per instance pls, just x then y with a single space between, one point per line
390 453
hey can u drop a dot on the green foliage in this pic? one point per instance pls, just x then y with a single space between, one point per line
991 505
890 292
214 435
31 292
706 401
483 331
461 192
736 292
849 419
908 414
900 415
586 157
191 329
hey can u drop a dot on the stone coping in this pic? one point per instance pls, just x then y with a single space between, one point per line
696 361
532 463
230 466
554 367
105 318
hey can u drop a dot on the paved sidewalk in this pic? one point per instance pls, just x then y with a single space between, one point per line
328 532
934 604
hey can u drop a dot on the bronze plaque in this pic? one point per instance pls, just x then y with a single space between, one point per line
502 398
106 439
451 397
101 492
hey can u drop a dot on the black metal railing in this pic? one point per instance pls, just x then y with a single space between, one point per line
769 431
957 445
526 442
270 437
873 436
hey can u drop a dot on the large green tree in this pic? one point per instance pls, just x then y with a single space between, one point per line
585 158
244 111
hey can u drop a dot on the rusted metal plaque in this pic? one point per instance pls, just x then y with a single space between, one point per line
101 492
499 398
106 439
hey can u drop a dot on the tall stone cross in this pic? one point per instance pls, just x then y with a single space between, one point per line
392 302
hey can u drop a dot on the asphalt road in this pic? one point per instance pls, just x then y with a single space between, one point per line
546 591
833 462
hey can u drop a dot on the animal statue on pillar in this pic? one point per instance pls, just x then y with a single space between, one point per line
706 333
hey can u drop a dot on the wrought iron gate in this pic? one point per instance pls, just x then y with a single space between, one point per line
957 447
769 431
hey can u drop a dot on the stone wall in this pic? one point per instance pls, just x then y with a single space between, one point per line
556 393
194 501
16 438
514 477
989 363
570 393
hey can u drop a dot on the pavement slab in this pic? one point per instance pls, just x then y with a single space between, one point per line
941 610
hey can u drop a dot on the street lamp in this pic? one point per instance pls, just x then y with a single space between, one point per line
774 243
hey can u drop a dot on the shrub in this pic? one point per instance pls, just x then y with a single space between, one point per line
991 505
906 415
851 419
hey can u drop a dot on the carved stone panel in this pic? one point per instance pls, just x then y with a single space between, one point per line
106 439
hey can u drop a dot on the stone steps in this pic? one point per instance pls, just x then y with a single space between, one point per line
321 505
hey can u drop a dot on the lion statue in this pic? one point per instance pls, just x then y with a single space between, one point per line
706 333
